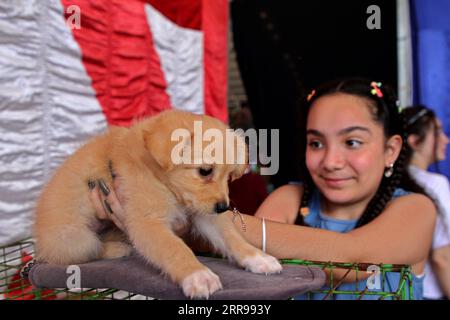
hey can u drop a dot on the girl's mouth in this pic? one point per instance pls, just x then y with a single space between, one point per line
335 182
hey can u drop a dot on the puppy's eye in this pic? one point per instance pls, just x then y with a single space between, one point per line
204 172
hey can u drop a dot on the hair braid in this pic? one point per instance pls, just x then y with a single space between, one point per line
388 185
308 187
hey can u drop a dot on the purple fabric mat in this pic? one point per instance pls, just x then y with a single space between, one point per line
134 275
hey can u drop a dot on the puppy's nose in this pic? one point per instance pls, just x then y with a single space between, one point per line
221 207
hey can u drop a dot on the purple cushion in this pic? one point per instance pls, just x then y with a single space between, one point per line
134 275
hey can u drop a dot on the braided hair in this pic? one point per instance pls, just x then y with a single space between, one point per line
382 100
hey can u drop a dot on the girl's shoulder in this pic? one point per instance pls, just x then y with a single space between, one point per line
402 199
292 190
293 186
282 204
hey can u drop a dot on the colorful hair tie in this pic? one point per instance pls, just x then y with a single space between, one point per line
304 211
311 95
376 89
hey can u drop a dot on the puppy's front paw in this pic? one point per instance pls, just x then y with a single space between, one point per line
262 263
201 284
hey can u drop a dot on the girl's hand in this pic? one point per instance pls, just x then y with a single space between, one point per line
107 201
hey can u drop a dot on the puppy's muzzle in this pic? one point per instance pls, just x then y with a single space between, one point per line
221 207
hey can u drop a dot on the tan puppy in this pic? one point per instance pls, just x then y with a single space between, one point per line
160 197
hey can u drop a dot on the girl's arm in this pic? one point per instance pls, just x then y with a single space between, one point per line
400 235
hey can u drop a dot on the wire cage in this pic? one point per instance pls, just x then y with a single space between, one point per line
12 287
401 290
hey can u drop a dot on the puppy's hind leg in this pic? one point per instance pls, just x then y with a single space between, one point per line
67 244
115 245
115 249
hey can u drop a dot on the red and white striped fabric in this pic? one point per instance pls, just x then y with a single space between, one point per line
144 57
58 86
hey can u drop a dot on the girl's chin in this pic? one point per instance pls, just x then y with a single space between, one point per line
338 195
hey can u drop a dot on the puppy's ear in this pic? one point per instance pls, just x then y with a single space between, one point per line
239 172
159 146
169 148
241 164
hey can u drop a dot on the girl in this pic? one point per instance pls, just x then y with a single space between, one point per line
428 144
359 202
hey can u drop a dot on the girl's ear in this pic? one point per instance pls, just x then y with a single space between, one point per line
393 148
413 141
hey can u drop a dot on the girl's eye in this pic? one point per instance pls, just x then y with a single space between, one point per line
315 144
353 144
204 172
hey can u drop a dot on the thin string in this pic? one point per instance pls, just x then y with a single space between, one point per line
237 213
263 234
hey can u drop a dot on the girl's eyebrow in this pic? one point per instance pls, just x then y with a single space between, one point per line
314 132
344 131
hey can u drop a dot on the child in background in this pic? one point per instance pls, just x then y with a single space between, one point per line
428 146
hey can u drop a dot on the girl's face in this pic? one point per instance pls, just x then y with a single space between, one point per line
347 152
441 142
434 146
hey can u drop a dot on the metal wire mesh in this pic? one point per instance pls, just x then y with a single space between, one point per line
402 290
12 287
14 256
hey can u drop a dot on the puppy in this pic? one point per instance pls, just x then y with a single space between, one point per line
161 195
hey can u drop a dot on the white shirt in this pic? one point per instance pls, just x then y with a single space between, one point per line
438 188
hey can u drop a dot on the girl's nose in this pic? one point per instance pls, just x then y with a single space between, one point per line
444 138
334 159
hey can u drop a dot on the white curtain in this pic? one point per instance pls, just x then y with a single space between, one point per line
47 106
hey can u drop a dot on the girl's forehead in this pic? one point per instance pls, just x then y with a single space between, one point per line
340 110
